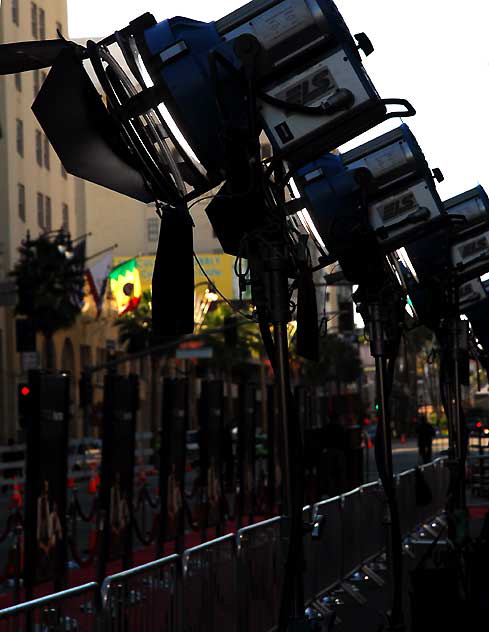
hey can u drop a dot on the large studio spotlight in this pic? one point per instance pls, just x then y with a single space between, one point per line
460 248
370 201
190 93
296 60
457 254
471 294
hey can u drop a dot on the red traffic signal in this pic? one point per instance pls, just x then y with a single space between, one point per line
24 403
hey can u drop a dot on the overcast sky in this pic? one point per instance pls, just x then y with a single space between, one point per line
434 53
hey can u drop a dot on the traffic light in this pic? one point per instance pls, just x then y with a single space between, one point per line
24 403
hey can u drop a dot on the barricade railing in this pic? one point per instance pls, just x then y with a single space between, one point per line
234 583
73 609
372 521
210 586
406 497
351 519
143 598
326 548
261 571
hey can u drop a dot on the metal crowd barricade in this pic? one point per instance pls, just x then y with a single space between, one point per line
261 569
235 583
326 549
308 552
73 609
145 598
426 511
406 499
210 587
372 525
441 485
351 520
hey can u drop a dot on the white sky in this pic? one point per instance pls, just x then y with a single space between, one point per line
431 52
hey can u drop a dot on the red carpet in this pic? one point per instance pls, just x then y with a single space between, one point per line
478 513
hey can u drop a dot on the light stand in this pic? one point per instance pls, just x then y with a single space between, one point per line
449 336
384 319
269 283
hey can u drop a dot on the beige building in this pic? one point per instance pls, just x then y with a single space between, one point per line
37 195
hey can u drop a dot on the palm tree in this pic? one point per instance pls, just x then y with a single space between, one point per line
231 349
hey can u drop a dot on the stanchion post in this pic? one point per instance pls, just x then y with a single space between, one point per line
45 527
121 403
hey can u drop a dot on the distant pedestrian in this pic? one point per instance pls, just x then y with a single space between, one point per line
425 432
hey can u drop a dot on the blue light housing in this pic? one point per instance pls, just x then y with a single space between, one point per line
294 64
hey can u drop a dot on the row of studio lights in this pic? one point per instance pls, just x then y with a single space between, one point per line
190 100
312 94
184 106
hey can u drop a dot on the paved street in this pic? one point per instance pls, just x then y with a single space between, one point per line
405 456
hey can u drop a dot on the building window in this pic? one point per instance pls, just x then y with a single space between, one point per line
42 24
20 137
47 161
18 81
35 30
21 195
15 12
47 213
59 28
39 147
153 229
36 83
65 216
40 210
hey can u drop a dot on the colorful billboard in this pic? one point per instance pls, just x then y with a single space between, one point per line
219 268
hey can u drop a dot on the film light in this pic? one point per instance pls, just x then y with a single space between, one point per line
459 247
380 196
312 91
403 203
472 293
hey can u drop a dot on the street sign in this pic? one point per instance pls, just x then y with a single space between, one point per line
190 354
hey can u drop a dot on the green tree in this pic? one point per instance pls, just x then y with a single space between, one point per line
248 340
50 279
339 361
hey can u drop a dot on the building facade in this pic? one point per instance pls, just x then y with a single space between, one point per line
37 195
